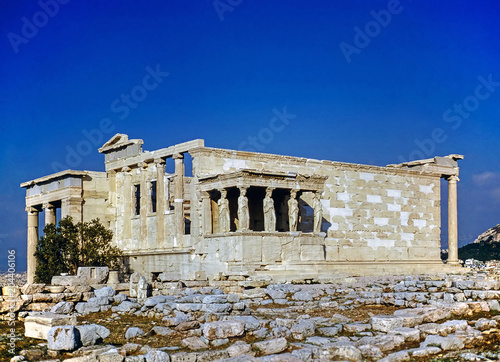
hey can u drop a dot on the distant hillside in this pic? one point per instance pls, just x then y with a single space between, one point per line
489 235
485 247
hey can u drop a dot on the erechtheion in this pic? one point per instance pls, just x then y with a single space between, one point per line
256 214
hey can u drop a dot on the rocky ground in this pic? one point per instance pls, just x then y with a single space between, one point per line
452 318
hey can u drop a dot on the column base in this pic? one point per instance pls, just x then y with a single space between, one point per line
453 263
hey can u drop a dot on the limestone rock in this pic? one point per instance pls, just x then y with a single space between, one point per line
446 343
155 355
384 342
341 351
120 298
32 288
86 308
62 338
485 324
125 306
194 343
271 346
385 323
409 334
425 351
369 351
104 292
62 308
133 332
161 331
89 335
223 329
396 357
239 348
303 329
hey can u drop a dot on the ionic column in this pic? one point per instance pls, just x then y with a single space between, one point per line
179 194
144 202
452 221
160 202
32 242
50 213
206 213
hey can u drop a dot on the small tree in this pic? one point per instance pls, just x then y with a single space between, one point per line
67 246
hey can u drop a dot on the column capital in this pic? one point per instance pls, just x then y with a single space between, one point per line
126 169
160 161
48 205
32 209
143 165
453 178
177 156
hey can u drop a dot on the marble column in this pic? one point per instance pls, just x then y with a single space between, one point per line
144 202
179 194
160 202
452 221
32 242
50 213
206 213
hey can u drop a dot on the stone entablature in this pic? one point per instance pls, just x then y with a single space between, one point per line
248 212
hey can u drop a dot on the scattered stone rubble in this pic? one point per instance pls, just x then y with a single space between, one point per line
447 315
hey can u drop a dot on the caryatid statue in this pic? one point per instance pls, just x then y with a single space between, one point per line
318 212
269 212
243 212
224 219
293 210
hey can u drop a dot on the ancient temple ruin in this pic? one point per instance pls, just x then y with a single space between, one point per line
255 214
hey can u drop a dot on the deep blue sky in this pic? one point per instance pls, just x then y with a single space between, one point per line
230 67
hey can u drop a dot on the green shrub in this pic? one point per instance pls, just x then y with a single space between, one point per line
67 246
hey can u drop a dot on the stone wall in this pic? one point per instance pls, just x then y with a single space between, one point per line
370 213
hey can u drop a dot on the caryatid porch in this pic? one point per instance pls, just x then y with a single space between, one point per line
249 201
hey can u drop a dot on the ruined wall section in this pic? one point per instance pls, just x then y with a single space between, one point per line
371 213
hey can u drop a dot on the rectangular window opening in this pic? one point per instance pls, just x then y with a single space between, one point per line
137 199
153 196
